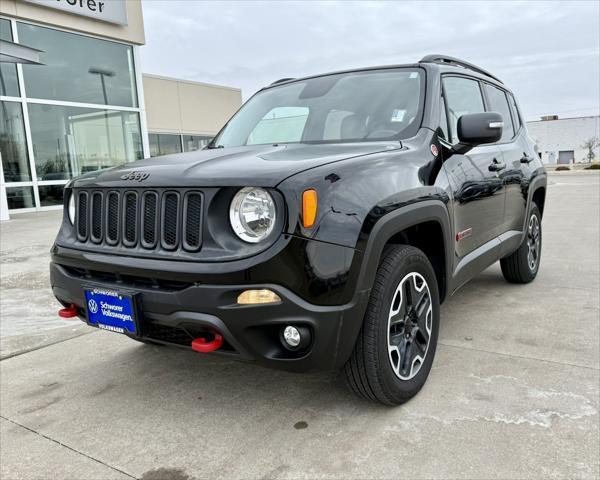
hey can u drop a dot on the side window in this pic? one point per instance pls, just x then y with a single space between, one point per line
444 120
462 96
280 125
499 103
515 112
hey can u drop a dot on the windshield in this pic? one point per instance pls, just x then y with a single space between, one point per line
367 106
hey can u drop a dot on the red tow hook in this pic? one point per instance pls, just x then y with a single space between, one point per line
201 345
68 312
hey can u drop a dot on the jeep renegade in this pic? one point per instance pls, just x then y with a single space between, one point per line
320 229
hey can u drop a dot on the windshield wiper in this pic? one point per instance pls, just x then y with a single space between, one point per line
211 147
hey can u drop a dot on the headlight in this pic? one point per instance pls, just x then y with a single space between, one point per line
252 214
72 208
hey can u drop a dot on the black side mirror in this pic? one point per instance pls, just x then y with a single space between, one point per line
478 128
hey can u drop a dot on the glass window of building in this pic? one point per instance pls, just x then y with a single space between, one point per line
51 195
164 144
69 141
15 162
195 142
20 197
97 71
9 85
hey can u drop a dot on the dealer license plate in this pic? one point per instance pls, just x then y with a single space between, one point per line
111 310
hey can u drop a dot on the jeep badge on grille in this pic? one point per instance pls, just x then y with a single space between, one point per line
139 176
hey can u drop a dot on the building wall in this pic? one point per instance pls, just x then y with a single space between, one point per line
564 134
183 107
132 33
70 115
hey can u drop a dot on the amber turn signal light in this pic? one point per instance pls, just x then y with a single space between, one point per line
254 297
309 208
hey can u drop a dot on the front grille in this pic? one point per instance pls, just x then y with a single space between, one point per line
168 334
82 216
127 281
193 214
170 214
130 219
148 219
112 218
180 335
97 217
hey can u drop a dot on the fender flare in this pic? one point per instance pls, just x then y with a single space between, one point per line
384 229
537 182
395 222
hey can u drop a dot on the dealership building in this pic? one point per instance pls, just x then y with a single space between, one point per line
566 141
76 100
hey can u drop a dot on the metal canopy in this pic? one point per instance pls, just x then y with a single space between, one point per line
11 52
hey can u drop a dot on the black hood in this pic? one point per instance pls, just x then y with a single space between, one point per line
261 165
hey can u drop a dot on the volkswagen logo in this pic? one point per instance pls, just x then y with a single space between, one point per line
93 306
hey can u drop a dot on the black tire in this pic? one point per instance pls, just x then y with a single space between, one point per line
518 267
370 371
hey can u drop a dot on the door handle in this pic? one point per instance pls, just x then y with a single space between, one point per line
526 158
496 166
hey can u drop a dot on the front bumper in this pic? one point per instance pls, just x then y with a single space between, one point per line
175 312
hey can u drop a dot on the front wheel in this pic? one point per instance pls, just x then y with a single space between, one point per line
396 345
522 265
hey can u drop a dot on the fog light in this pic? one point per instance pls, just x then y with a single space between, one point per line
291 335
253 297
295 338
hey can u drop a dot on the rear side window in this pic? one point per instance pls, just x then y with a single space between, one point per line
499 103
444 120
515 112
463 96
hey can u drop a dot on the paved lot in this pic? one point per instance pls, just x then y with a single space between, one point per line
27 307
514 391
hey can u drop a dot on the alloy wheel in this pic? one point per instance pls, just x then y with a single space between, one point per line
533 242
409 326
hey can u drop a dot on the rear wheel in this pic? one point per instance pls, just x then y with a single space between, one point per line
522 265
395 348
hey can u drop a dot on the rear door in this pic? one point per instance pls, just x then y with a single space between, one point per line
478 191
515 155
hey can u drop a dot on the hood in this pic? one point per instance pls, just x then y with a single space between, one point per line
260 165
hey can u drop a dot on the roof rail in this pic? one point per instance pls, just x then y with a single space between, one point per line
281 80
446 60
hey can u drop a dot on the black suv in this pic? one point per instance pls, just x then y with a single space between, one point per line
321 228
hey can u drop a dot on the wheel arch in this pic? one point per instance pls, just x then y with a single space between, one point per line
424 225
539 197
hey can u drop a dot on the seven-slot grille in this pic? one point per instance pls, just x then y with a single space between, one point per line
150 219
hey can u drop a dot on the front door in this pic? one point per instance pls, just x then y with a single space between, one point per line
478 197
474 179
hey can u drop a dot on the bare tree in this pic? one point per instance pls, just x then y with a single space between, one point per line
590 145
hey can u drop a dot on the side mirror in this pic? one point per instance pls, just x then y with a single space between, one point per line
478 128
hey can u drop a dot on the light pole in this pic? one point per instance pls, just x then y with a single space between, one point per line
102 72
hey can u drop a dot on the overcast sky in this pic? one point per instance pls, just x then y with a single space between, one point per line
548 53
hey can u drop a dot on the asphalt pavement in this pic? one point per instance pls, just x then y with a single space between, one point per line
513 393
